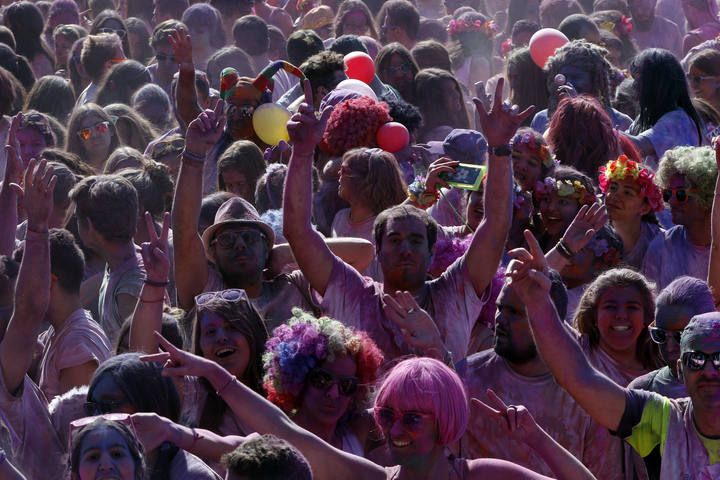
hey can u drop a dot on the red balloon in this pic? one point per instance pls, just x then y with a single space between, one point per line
359 66
392 137
543 44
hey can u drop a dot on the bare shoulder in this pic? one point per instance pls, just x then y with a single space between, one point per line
493 468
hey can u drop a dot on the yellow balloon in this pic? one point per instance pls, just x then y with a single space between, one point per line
270 123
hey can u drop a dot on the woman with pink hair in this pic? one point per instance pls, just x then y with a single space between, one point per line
421 408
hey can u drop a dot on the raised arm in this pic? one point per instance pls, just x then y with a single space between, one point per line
32 292
185 94
714 268
312 254
261 416
8 198
147 317
191 268
521 424
578 234
602 398
488 243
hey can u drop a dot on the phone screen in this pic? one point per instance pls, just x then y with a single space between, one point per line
466 176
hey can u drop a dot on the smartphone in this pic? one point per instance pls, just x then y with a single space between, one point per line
467 176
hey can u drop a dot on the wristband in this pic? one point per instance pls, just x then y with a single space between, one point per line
186 154
563 249
501 151
153 283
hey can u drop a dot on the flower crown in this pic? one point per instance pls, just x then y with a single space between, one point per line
488 27
624 169
622 28
604 254
565 188
540 149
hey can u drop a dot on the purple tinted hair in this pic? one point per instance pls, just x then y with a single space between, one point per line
688 292
429 386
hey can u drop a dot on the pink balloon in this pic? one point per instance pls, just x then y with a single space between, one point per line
359 66
543 44
392 137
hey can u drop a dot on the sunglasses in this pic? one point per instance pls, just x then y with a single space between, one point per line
696 79
162 57
240 111
410 420
660 335
681 194
324 380
695 361
165 148
100 128
120 33
229 295
228 240
101 407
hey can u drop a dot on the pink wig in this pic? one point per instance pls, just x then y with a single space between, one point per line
429 386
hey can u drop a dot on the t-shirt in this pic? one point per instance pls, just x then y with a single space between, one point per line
674 129
342 226
671 255
648 232
541 121
79 341
651 421
551 406
660 381
607 365
128 279
26 433
662 34
189 467
278 297
451 301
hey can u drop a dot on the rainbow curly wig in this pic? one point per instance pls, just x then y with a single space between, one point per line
306 342
354 123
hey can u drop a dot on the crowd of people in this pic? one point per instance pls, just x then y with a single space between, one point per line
216 262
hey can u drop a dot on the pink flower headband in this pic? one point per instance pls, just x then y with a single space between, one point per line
540 149
460 26
565 188
624 169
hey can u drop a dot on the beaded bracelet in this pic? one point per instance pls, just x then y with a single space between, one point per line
192 157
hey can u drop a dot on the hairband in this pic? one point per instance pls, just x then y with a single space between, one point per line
565 188
625 169
539 149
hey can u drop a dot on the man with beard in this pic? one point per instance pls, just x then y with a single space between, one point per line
652 31
515 372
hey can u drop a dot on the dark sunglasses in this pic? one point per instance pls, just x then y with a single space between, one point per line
102 407
324 380
695 361
228 240
681 194
162 57
660 335
410 420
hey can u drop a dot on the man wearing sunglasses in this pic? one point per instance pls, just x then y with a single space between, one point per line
683 299
686 176
684 434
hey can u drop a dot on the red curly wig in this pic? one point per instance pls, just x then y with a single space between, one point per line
352 124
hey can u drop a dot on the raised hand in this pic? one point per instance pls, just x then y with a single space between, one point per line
586 223
438 167
179 363
500 123
37 194
151 429
181 43
305 128
14 167
203 132
416 325
155 252
527 271
518 421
